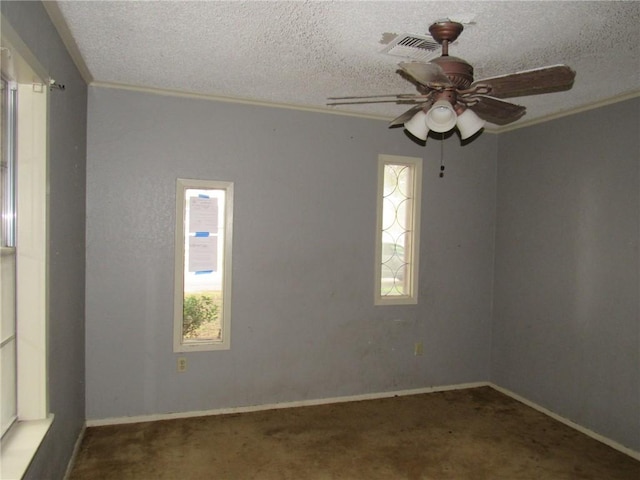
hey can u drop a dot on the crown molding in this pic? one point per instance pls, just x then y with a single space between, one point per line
239 100
331 111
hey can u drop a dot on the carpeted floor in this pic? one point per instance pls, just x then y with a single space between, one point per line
471 434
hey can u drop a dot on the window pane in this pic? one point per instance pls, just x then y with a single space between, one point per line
7 176
395 226
203 264
7 294
8 384
398 222
8 364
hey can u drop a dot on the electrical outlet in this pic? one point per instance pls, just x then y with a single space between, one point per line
418 349
182 364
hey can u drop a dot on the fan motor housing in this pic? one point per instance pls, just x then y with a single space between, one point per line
458 70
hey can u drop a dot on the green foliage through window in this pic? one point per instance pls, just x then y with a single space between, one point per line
197 310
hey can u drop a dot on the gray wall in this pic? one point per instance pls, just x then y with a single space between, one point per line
566 329
67 155
303 321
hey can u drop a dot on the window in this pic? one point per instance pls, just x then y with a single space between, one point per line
24 415
202 306
8 375
398 230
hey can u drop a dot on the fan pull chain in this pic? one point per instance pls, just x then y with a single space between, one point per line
442 156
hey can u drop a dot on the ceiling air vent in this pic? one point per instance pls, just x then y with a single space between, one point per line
417 47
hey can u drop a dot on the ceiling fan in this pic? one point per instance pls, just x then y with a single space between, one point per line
449 97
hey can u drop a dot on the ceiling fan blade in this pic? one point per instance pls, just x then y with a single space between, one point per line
399 101
497 111
401 98
396 95
555 78
425 73
409 114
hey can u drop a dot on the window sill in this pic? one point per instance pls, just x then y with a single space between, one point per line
20 445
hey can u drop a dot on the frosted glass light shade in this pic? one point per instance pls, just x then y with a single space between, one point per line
441 117
417 126
469 124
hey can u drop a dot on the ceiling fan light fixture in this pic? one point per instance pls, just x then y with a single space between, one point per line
449 82
417 126
469 124
441 117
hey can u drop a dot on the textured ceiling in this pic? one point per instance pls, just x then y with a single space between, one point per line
300 53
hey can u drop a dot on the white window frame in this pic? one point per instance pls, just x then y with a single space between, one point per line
225 341
413 247
22 440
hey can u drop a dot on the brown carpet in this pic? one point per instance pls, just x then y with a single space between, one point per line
466 434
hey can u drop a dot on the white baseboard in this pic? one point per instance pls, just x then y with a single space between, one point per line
74 454
274 406
575 426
